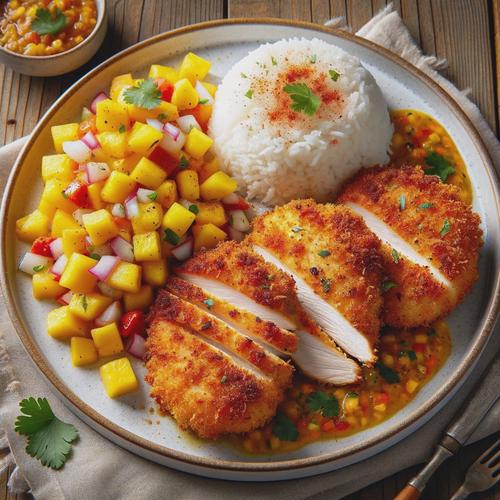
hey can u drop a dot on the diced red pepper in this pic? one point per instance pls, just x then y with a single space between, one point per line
302 424
166 89
131 323
41 246
382 397
163 159
342 425
418 347
241 204
78 193
430 364
328 426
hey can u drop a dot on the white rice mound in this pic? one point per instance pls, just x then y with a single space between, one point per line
277 154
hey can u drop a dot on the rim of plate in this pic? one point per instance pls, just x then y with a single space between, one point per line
485 327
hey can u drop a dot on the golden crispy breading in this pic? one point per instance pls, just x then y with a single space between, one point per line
333 252
429 216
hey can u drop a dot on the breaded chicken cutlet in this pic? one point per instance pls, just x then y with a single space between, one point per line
431 240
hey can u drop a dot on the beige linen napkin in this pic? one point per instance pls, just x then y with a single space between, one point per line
99 469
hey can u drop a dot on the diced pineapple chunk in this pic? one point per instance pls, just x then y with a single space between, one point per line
100 226
140 300
61 222
165 72
111 116
148 173
88 306
32 226
125 165
147 246
208 236
194 67
155 272
126 277
184 96
44 286
188 185
119 83
107 340
114 144
165 110
63 133
197 143
76 275
83 351
62 324
148 219
211 212
167 193
178 219
118 377
73 240
53 197
217 186
94 192
58 167
210 87
143 137
117 187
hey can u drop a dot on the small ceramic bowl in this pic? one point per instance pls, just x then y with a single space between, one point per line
64 62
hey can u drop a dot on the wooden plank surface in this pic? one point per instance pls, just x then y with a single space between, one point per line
462 31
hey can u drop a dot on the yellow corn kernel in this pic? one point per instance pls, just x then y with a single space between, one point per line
83 351
118 377
107 340
411 385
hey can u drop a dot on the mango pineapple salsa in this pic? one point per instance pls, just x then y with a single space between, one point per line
128 190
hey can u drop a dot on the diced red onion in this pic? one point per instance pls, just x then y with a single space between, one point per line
203 93
104 267
122 248
239 221
86 113
153 122
82 167
184 250
32 263
171 145
187 122
185 203
234 234
109 291
99 250
136 346
118 210
171 130
97 172
111 314
56 248
145 195
65 298
231 199
90 140
59 265
77 150
132 208
79 213
101 96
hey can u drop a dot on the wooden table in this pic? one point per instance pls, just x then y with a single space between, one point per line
465 32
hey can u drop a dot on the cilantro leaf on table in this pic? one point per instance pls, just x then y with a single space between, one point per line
284 428
49 439
439 166
388 374
146 95
304 101
44 24
324 403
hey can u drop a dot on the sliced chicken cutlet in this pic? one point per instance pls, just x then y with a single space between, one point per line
335 262
260 300
431 240
211 378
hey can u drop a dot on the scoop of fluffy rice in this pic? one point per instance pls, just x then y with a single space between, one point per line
277 153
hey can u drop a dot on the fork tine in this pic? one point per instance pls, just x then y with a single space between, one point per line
490 454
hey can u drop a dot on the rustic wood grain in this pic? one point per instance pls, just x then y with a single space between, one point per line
462 31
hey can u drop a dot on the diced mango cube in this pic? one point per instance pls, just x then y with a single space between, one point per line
58 167
119 83
111 116
94 192
184 96
148 173
178 219
126 277
217 186
194 67
197 143
118 377
44 286
208 236
210 87
165 72
32 226
117 187
107 340
147 246
62 324
143 137
89 306
188 185
155 272
76 275
164 111
63 133
53 197
61 222
73 240
140 300
211 212
83 351
100 226
125 165
114 144
148 219
167 193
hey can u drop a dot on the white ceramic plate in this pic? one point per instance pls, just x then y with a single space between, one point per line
126 421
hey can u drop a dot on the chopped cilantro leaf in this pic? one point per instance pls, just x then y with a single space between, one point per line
425 205
223 379
44 24
446 228
410 354
209 303
152 196
202 101
327 405
395 255
162 116
313 59
388 374
326 284
95 256
304 101
334 75
121 129
324 253
352 394
387 285
194 208
171 236
183 162
402 202
243 75
284 428
431 332
146 95
249 93
38 268
85 303
439 166
273 60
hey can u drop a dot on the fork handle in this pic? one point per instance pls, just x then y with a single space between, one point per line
461 493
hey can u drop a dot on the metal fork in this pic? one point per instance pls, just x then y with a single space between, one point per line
482 474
